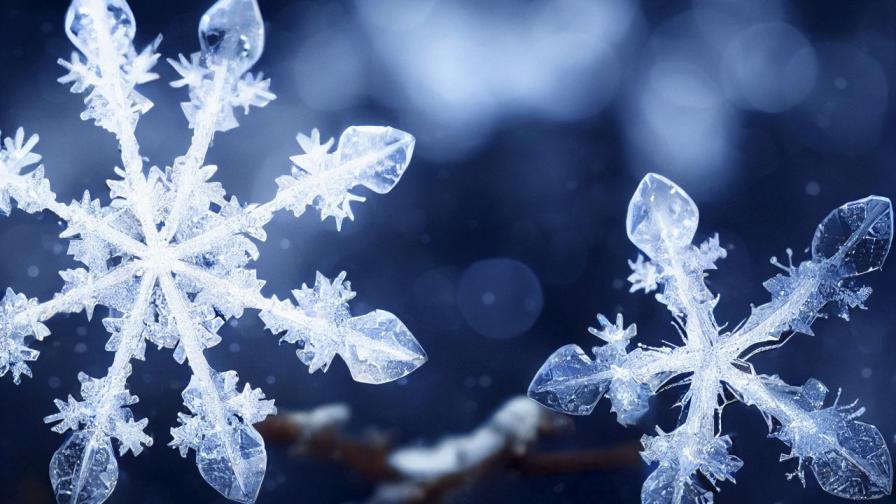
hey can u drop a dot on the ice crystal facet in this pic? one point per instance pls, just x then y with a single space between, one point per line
171 256
848 458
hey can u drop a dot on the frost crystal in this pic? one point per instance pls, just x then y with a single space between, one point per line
848 458
170 256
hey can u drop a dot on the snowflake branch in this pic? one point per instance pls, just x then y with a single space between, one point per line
77 217
703 403
128 347
33 194
118 112
851 241
203 132
662 220
369 156
767 323
572 382
82 466
213 408
239 223
72 300
700 323
376 346
193 350
109 63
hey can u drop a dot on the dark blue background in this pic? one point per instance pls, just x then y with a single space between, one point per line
541 178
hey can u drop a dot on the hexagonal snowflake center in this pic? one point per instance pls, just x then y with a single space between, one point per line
160 258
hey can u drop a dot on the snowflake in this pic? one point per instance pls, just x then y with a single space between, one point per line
849 458
170 256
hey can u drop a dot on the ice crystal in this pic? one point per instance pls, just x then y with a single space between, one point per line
171 256
848 458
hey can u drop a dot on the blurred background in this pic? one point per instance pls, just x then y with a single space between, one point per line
534 121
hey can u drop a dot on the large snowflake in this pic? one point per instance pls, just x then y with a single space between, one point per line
170 256
849 458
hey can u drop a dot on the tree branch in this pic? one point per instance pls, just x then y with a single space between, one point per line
428 473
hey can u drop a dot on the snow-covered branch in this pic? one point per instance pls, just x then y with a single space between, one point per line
507 440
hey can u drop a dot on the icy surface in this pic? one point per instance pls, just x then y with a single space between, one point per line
849 458
170 257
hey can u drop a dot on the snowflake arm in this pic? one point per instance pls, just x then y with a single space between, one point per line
691 450
103 30
31 193
229 451
572 383
849 458
186 170
852 240
218 81
370 156
377 347
662 220
214 92
84 468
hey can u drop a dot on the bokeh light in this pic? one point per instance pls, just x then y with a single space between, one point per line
499 298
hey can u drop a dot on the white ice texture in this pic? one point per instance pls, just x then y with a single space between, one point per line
849 458
170 256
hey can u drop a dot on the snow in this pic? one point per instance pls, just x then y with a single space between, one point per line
848 458
171 255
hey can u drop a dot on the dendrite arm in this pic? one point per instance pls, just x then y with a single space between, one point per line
104 31
662 220
849 458
571 382
852 240
370 156
229 451
85 467
377 347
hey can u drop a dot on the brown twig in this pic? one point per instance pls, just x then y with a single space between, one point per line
506 441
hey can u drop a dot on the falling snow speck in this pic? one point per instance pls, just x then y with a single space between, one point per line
171 256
